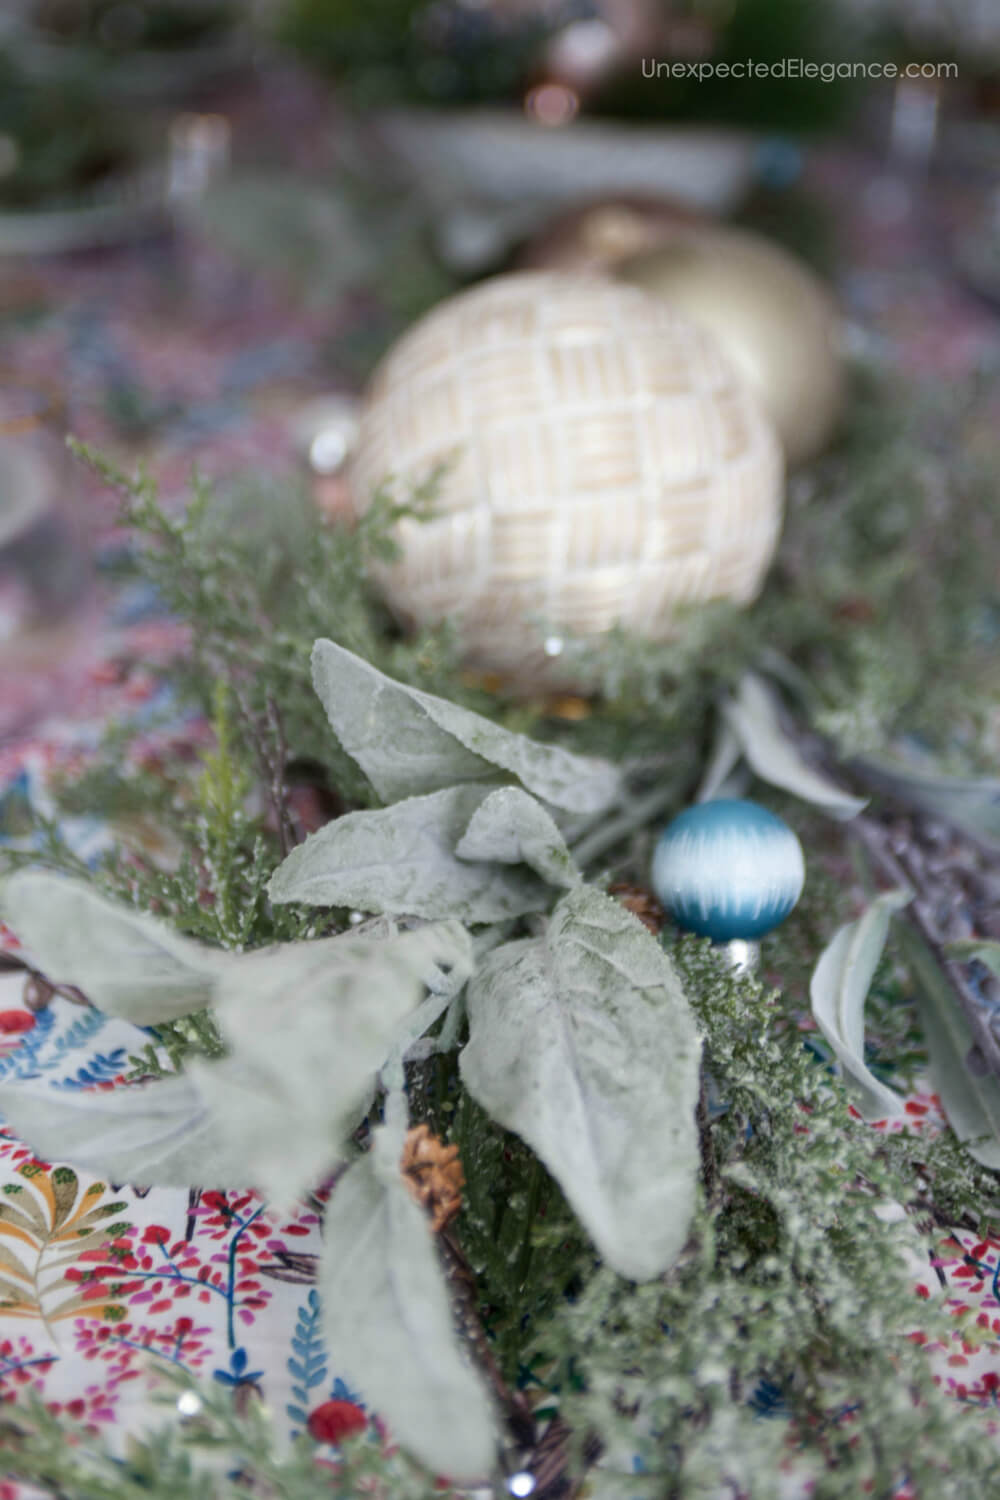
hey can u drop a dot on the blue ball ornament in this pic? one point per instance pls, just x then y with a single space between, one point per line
728 869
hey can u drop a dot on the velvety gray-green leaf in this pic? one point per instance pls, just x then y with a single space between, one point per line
838 990
971 1102
388 1321
165 1133
583 1043
309 1025
128 963
408 742
753 717
969 803
402 860
722 763
444 990
985 950
514 828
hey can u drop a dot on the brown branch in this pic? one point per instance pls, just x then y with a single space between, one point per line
272 758
38 991
709 1164
462 1281
279 786
904 866
920 914
545 1457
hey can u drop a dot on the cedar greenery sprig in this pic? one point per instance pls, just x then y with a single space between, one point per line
256 578
225 1452
790 1296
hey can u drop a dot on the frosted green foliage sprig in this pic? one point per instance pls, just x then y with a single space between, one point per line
578 1035
791 1295
222 1453
256 577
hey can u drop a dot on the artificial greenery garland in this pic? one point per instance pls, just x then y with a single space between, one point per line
786 1293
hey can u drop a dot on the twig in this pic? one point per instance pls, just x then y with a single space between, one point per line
39 991
908 873
272 762
633 817
709 1165
194 1198
461 1279
545 1457
279 789
531 1213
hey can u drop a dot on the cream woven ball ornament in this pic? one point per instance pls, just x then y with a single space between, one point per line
607 465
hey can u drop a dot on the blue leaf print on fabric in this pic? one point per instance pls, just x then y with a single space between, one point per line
22 1061
307 1366
237 1374
102 1068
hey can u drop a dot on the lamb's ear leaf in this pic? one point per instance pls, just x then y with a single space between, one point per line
723 764
160 1133
971 804
512 827
773 756
971 1100
985 950
402 860
408 742
838 990
128 963
583 1042
309 1025
388 1321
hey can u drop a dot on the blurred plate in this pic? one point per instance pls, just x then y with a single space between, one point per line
502 156
125 208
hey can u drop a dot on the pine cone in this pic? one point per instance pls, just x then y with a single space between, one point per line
433 1174
642 904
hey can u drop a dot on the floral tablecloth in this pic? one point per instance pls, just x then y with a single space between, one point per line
101 1283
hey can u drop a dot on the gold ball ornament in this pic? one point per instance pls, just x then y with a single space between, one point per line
774 318
606 465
